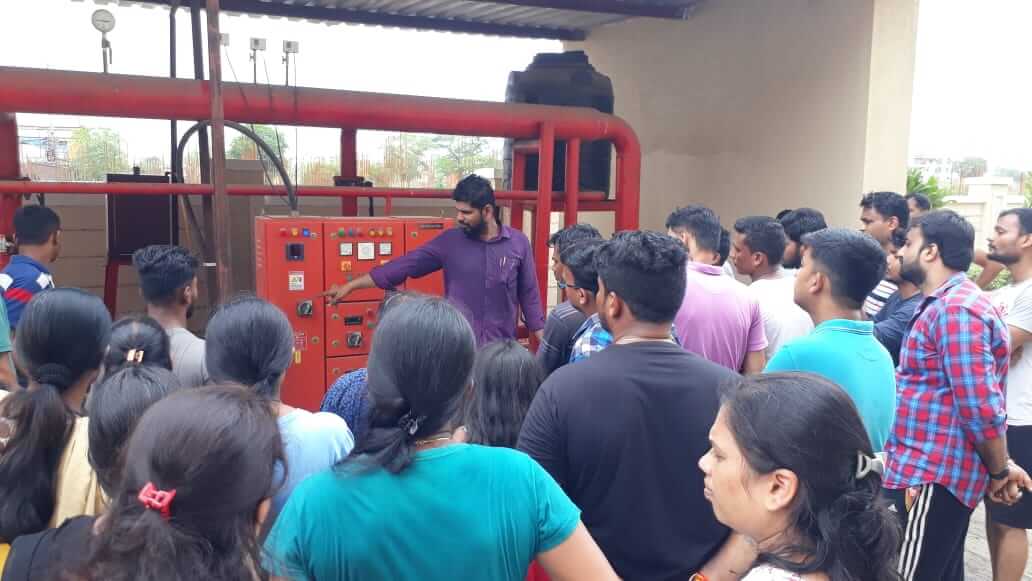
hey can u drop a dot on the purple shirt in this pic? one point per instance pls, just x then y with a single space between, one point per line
719 318
485 280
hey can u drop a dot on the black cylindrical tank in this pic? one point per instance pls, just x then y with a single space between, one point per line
564 79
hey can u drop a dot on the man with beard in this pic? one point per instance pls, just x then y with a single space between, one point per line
948 446
1011 245
890 324
168 282
488 267
619 431
798 223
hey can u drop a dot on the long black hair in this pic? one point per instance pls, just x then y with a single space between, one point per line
807 424
61 338
419 366
217 447
249 341
142 337
115 405
505 378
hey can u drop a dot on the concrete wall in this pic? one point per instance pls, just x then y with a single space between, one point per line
752 106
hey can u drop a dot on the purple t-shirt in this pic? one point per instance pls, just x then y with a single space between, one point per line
719 318
486 280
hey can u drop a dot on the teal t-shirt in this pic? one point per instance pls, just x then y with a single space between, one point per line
847 353
5 338
457 512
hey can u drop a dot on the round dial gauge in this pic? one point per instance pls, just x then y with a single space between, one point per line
103 20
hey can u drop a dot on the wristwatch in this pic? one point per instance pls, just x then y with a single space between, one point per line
1002 474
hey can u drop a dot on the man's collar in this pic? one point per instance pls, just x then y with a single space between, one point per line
705 268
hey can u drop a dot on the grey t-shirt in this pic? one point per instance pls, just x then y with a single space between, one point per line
188 357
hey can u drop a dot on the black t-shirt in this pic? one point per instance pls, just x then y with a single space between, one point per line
622 432
45 555
557 338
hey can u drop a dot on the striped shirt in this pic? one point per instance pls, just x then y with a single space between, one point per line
876 300
20 281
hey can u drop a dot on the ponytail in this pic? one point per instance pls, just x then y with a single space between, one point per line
28 463
61 338
249 342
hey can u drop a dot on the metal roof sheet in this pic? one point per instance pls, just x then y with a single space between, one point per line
561 19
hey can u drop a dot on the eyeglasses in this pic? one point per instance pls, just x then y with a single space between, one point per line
563 285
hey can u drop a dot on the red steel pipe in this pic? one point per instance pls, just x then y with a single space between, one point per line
543 212
97 188
572 182
10 169
79 93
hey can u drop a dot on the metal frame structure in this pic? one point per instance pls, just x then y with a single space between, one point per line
537 128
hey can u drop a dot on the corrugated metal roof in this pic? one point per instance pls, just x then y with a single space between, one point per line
562 19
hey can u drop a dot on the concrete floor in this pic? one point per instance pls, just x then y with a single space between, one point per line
976 551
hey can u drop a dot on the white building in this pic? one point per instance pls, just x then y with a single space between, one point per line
941 168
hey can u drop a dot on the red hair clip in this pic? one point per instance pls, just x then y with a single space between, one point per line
159 500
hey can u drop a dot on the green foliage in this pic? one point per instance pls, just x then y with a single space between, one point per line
461 156
320 172
1003 279
242 147
94 153
917 184
418 160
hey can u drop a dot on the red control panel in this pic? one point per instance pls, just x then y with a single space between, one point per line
299 258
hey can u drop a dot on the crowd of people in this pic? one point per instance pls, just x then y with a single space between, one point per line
838 416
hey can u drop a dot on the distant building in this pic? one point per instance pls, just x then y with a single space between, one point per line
941 168
982 201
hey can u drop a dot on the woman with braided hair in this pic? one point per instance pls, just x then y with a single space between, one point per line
45 476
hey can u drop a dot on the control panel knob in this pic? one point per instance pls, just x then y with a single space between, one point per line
305 309
354 340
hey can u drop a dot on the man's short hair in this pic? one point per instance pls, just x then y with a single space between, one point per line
854 262
647 271
898 238
952 235
920 200
1024 216
701 222
801 222
579 257
34 225
573 234
888 204
765 235
163 271
477 192
725 246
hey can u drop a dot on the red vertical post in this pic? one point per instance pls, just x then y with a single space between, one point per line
519 183
628 188
10 169
543 211
572 181
220 199
348 167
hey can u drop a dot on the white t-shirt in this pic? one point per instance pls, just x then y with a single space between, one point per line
768 573
783 320
1014 302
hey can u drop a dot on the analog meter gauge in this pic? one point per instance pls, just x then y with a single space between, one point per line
103 21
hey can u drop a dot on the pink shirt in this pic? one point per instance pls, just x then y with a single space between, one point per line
719 318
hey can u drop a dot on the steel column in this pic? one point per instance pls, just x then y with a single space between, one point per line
223 253
10 169
572 182
348 167
543 211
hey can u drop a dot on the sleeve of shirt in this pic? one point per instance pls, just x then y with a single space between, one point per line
557 516
420 262
5 330
783 360
338 435
550 351
889 330
1020 314
757 335
284 548
971 371
541 435
530 298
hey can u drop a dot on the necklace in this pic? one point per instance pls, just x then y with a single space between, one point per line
432 440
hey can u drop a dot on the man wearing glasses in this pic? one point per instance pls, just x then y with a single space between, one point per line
578 278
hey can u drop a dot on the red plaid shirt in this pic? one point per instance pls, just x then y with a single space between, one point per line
949 391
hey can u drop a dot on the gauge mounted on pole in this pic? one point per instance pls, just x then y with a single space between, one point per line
104 21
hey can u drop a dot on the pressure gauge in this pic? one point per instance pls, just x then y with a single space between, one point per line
103 21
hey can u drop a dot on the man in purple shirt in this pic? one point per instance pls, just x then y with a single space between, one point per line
488 267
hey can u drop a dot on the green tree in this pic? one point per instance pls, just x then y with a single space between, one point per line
917 184
94 153
243 147
457 157
405 160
